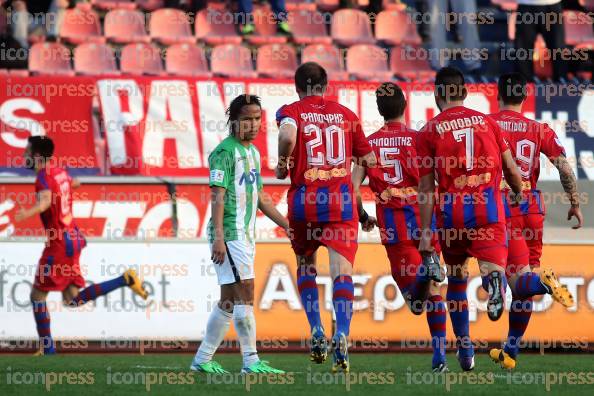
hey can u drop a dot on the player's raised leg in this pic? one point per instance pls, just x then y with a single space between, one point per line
96 290
342 299
458 307
495 283
308 291
42 320
436 319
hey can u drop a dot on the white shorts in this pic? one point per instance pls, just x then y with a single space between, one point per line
239 262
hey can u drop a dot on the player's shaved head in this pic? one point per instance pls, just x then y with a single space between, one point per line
450 85
42 146
511 88
390 101
311 79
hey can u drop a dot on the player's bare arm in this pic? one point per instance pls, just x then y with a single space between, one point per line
369 160
367 222
511 173
287 137
44 201
267 207
426 203
569 183
217 197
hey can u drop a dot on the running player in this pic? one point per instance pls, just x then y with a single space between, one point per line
318 140
395 183
236 195
528 139
465 151
59 267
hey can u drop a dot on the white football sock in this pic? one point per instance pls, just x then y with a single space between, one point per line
245 326
216 328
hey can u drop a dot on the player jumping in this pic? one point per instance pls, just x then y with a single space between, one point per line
395 183
528 139
59 268
465 151
318 140
236 195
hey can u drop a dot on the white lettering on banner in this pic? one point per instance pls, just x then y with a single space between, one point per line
82 209
419 105
181 127
187 215
478 101
117 214
279 275
381 303
585 113
6 206
270 104
572 284
8 116
359 282
349 98
115 119
370 113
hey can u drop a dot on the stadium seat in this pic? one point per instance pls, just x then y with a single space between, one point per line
578 30
368 62
350 27
394 5
328 5
50 58
276 61
113 4
141 58
329 57
94 58
294 5
81 24
396 27
232 60
186 60
266 32
406 66
216 27
125 26
150 5
587 4
308 27
506 5
543 66
170 26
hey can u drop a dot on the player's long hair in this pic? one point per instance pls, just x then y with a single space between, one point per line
235 108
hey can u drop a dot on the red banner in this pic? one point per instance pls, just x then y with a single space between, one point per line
59 107
163 126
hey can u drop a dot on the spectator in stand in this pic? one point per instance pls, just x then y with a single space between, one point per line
247 19
28 16
438 28
192 6
544 17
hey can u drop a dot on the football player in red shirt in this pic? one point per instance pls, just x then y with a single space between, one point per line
394 183
318 140
465 152
59 268
527 139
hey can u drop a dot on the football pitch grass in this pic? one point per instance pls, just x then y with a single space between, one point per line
371 374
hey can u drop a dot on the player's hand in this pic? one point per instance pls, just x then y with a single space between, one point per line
21 214
281 172
218 252
426 243
369 224
576 212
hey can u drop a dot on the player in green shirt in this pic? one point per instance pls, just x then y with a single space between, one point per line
236 195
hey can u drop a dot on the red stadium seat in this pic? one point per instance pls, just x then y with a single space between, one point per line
265 24
368 62
587 4
308 27
328 5
232 60
150 5
406 65
94 58
125 26
293 5
396 27
507 5
394 5
329 57
216 27
113 4
276 61
186 60
578 29
81 24
50 58
141 58
170 26
350 27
